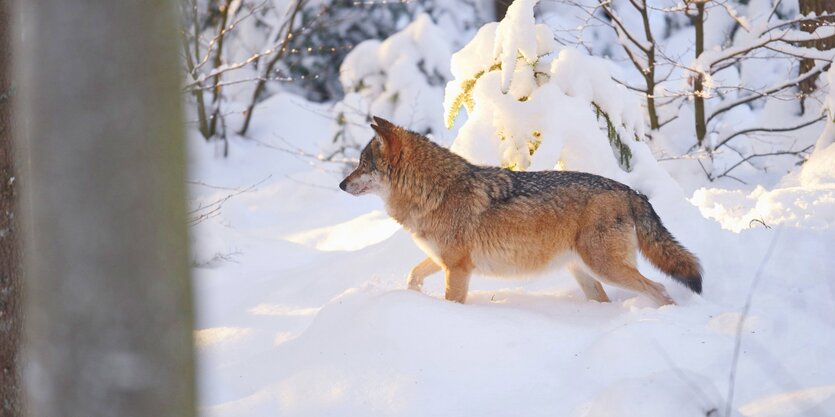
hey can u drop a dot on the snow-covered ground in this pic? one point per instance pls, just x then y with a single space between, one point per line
302 308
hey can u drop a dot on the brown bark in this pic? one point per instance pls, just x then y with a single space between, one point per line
202 119
500 6
818 7
10 403
698 82
646 49
649 74
216 96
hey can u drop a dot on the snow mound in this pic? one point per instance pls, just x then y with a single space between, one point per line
372 351
355 234
736 210
816 401
805 199
819 170
680 394
289 327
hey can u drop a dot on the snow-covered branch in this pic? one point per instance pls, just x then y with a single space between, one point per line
713 60
218 38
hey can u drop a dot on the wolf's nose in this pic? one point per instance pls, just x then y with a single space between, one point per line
342 185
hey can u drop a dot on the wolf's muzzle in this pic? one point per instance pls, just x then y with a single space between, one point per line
343 184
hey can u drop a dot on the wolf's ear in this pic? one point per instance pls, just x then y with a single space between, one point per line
383 122
389 136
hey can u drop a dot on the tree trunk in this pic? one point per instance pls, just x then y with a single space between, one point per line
698 82
216 90
818 7
649 72
500 6
108 314
10 403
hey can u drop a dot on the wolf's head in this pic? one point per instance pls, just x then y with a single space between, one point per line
373 174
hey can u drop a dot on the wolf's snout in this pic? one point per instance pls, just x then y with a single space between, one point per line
343 184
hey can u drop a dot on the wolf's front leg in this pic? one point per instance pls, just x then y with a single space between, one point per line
422 270
457 283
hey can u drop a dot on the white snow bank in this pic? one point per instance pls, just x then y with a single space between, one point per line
670 393
355 234
288 328
819 170
806 207
378 351
814 401
805 199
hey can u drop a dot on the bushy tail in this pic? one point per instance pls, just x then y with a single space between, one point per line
661 248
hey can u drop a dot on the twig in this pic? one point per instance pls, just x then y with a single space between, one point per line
745 309
204 212
215 187
790 83
218 39
765 129
760 221
288 35
760 155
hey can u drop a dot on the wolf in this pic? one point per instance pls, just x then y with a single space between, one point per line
494 221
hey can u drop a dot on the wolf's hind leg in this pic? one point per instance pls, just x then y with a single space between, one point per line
626 276
590 286
422 270
610 252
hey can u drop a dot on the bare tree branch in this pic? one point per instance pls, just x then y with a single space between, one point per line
766 129
299 4
760 155
771 90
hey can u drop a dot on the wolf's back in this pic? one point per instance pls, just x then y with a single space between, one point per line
661 248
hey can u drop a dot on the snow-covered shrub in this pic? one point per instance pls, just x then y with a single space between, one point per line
400 79
333 27
532 105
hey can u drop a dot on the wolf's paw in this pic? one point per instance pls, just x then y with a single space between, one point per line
414 285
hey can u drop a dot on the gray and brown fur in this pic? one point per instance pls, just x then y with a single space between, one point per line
470 218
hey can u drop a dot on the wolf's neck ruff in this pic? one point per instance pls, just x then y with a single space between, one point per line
423 176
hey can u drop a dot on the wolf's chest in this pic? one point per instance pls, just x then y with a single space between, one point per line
429 247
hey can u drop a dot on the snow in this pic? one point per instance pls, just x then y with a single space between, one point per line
803 198
547 117
806 206
306 312
300 288
516 36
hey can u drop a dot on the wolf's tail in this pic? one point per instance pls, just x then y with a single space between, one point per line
661 248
